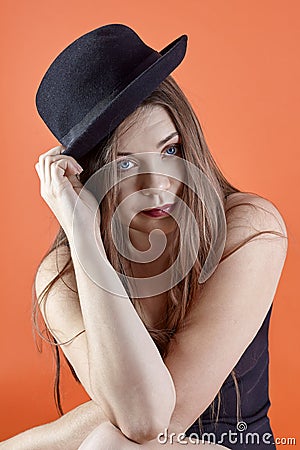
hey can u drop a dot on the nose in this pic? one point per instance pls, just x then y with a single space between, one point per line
154 183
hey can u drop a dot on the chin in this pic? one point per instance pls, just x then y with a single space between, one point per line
146 225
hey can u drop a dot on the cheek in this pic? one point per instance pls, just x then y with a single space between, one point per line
176 172
177 187
128 204
126 188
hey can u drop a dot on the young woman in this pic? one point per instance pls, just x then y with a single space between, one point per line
158 288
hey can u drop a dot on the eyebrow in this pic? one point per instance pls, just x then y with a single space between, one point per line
160 144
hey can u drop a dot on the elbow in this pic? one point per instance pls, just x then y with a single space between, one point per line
147 421
141 424
140 417
144 432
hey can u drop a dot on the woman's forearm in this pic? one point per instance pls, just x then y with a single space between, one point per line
107 436
128 377
88 427
66 433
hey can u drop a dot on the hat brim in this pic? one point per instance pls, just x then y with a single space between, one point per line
99 123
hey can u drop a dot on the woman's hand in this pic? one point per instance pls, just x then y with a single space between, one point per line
62 190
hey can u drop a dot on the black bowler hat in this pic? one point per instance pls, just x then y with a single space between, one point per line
98 80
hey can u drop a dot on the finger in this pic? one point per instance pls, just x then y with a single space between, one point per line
62 170
55 161
57 174
53 151
36 166
61 183
70 166
56 170
41 171
75 183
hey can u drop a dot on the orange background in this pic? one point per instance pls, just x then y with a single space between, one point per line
241 74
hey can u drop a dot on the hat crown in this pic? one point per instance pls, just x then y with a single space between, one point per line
117 48
105 58
98 80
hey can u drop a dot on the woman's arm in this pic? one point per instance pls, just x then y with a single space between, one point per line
67 432
88 427
124 379
116 361
230 310
106 436
127 374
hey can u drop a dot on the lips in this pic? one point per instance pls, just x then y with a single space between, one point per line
160 211
160 208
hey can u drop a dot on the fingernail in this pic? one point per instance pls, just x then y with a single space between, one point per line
79 168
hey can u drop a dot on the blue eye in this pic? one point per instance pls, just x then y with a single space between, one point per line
124 165
172 150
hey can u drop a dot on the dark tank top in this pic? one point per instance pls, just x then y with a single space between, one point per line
253 430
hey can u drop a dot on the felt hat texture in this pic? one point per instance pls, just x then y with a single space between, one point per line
98 80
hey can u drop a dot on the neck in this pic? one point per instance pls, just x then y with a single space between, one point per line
156 264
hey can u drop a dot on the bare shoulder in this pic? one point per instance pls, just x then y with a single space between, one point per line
250 217
60 306
51 267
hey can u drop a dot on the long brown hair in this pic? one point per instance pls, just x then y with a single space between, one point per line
182 296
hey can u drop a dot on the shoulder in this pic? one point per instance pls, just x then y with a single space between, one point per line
256 208
251 217
56 291
50 268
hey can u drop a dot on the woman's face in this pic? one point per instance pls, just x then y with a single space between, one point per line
149 152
